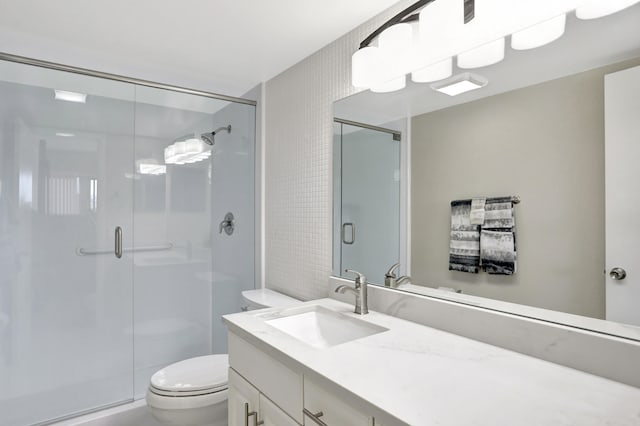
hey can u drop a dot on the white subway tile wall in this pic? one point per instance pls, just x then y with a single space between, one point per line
299 136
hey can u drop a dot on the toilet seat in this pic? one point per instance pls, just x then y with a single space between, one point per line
192 377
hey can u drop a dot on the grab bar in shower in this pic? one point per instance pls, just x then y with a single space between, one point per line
86 252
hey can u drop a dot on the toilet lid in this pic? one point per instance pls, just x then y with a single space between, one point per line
194 374
266 298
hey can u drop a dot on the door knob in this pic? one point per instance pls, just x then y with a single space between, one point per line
618 274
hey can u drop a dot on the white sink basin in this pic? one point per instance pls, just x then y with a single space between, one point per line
320 327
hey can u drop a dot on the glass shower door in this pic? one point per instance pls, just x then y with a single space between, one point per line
366 201
66 184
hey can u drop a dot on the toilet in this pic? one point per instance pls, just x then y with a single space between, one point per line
194 392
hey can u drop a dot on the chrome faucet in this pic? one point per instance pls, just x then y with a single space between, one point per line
360 291
390 279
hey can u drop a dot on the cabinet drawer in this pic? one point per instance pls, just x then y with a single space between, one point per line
272 415
272 378
335 412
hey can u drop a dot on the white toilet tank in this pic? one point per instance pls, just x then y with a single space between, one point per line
265 298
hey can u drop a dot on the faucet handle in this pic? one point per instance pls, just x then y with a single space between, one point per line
391 273
361 279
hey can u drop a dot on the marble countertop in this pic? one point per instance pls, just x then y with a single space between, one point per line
422 376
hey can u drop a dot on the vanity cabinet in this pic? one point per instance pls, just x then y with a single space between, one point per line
272 415
264 391
320 404
248 406
243 399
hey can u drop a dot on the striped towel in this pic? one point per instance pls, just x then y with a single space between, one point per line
498 238
464 246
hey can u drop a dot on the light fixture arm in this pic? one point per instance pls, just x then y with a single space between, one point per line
408 15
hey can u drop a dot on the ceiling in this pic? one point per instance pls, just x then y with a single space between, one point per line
227 46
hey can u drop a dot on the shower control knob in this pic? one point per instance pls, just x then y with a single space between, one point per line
228 224
618 274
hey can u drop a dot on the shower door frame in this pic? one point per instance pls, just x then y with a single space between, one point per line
93 73
141 82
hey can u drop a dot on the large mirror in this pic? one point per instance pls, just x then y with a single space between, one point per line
549 144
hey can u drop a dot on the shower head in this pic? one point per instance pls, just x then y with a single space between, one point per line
209 138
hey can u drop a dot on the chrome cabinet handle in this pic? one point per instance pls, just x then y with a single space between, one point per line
315 417
618 274
248 414
344 233
118 239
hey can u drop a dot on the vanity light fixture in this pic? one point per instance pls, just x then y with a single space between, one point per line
459 84
423 39
64 95
65 135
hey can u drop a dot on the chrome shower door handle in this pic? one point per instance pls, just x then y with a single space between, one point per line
344 233
118 241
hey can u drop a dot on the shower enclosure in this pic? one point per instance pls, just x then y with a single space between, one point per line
115 257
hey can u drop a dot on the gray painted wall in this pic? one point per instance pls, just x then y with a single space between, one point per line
544 143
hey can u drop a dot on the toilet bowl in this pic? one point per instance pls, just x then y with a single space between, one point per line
194 392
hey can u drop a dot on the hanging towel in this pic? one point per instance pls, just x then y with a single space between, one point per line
497 238
464 246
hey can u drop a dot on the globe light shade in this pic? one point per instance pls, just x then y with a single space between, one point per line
599 8
539 34
435 72
485 55
391 85
365 67
396 51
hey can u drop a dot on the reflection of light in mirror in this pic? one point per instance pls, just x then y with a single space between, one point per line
185 152
65 135
62 196
25 188
152 169
93 195
150 166
63 95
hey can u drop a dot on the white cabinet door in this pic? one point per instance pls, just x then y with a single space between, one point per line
272 415
277 381
335 411
243 400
